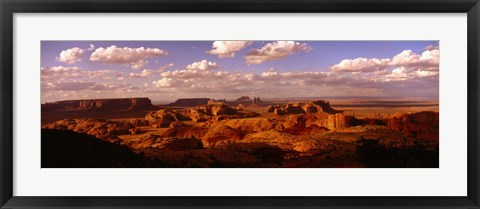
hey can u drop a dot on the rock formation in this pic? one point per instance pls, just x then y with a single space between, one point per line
209 112
305 114
170 143
421 125
103 129
303 107
256 100
139 122
163 118
220 134
251 124
190 102
202 113
127 104
243 99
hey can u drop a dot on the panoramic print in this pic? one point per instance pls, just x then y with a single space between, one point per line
240 104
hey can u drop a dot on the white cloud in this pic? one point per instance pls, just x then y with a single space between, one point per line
403 74
138 65
360 64
195 70
104 74
429 58
136 57
227 49
272 72
431 47
202 65
400 73
71 56
275 51
62 83
145 73
60 73
170 82
91 47
426 73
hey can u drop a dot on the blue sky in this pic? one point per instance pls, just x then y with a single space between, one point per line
93 69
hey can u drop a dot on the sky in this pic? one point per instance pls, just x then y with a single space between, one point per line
168 70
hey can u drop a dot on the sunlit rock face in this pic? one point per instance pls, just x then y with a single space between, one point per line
163 118
317 107
305 114
103 129
203 113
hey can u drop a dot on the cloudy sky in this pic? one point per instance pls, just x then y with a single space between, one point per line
168 70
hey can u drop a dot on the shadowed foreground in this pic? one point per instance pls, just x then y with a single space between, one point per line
67 149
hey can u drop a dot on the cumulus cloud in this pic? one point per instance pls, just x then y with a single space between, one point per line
402 74
164 82
227 49
195 70
61 78
105 74
138 65
61 83
270 73
91 47
72 55
426 73
408 73
431 47
361 64
202 65
428 60
59 73
275 51
135 57
148 72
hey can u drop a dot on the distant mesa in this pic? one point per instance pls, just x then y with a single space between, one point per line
243 99
193 102
220 101
190 102
247 101
115 104
302 108
256 101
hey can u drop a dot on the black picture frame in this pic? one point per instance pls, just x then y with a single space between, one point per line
9 7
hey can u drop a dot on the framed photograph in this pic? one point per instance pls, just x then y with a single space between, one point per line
233 104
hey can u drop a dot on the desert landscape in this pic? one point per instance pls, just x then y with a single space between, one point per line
199 132
358 113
